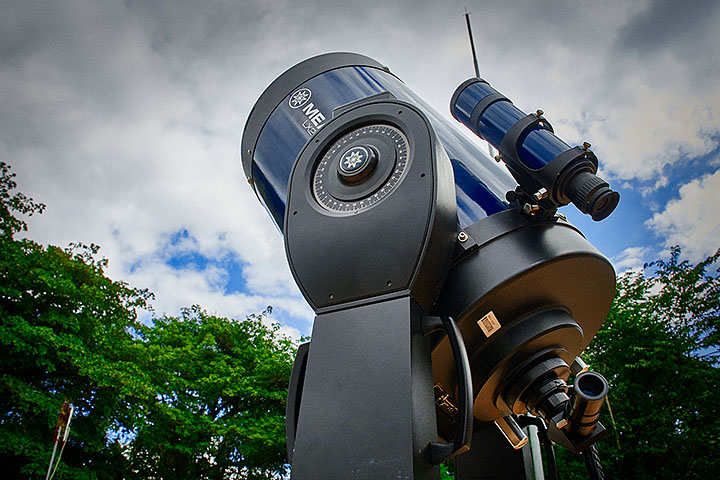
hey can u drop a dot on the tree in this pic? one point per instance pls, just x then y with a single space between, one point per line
220 405
659 350
194 396
65 332
13 202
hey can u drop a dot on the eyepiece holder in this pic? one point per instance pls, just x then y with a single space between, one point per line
571 412
574 424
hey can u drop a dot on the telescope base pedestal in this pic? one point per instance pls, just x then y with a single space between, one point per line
491 457
367 409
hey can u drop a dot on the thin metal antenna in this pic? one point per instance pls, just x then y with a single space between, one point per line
491 151
472 43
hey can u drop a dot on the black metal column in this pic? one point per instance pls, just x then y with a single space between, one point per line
367 409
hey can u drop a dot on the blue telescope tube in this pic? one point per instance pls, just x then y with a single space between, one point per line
548 170
277 131
539 147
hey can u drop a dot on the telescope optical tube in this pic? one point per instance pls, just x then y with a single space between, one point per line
302 101
527 292
549 171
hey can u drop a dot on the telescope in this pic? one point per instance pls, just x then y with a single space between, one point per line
449 292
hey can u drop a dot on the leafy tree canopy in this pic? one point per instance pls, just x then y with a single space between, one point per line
659 350
193 396
220 405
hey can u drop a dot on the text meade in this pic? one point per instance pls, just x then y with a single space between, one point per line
313 114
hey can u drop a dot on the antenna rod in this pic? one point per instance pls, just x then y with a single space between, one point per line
491 152
472 43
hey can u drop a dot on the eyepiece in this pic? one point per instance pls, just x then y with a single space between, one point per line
592 195
592 386
590 390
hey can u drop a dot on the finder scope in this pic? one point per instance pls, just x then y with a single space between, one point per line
447 296
549 171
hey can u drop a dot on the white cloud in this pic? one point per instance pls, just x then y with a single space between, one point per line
692 221
658 127
632 258
125 119
177 288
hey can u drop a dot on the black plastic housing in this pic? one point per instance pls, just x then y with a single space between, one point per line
403 244
549 290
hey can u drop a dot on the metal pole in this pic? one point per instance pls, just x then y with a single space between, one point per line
491 152
51 460
472 43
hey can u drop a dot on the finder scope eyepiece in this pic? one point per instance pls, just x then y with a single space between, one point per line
549 171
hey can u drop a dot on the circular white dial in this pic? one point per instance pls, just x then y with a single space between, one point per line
329 178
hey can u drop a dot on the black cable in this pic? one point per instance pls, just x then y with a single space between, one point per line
524 421
592 463
551 463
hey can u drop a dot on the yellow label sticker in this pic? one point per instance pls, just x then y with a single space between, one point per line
489 324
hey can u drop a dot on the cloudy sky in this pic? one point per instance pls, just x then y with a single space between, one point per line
125 119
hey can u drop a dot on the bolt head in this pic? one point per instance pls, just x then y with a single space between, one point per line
541 194
463 237
530 209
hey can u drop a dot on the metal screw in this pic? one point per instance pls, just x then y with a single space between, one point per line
463 237
530 209
539 112
586 146
541 194
498 158
578 366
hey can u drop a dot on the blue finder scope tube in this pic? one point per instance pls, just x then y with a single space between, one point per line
548 170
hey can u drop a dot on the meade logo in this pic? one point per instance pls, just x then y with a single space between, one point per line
300 98
315 119
313 114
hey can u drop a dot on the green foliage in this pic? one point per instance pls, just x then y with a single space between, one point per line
13 202
659 351
447 470
220 404
195 396
64 333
